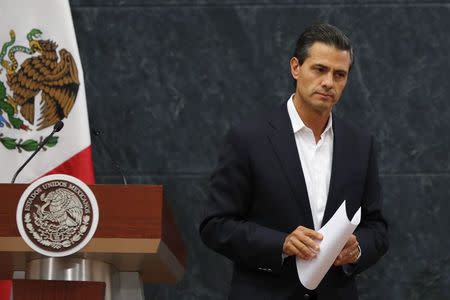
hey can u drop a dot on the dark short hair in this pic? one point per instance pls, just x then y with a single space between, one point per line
324 33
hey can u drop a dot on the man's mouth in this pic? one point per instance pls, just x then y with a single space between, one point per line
325 95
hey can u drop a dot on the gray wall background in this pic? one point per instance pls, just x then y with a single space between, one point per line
166 79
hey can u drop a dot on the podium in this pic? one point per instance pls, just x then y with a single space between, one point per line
136 233
57 290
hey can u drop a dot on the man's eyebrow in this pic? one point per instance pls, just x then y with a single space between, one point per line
320 65
326 67
342 71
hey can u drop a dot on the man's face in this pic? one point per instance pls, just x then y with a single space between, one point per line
321 78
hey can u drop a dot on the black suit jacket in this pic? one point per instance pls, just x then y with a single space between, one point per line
258 196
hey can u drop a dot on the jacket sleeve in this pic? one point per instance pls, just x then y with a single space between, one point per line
373 230
224 227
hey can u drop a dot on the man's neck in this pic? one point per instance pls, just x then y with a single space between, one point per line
315 120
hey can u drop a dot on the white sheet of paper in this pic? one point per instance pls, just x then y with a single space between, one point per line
335 234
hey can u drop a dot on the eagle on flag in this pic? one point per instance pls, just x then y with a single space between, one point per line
55 77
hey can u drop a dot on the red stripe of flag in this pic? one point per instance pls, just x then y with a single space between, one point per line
80 166
5 289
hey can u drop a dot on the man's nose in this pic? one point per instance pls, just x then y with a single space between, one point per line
328 80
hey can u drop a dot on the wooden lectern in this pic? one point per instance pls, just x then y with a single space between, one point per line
136 233
57 290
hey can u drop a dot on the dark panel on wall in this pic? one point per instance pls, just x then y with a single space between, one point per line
240 3
178 78
418 263
166 79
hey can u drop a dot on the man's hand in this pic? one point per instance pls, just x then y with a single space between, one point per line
302 243
349 254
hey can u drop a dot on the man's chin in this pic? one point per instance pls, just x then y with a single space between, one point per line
323 107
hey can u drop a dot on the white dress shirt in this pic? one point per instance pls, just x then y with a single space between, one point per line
316 160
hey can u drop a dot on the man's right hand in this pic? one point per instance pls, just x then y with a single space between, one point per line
302 243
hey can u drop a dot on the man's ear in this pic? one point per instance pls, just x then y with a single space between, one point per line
295 67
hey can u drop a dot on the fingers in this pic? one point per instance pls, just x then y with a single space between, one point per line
311 233
306 238
289 249
351 258
294 246
352 240
347 257
305 249
301 243
294 251
350 249
349 253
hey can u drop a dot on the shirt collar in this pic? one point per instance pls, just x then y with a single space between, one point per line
297 122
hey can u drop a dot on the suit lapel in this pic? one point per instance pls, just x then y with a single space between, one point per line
282 138
337 169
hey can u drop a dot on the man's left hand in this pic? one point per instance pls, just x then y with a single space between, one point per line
350 253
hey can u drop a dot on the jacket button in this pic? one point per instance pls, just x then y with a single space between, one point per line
306 296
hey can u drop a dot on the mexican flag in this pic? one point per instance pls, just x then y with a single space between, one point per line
5 289
41 83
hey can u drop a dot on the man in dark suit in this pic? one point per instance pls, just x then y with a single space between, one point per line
282 175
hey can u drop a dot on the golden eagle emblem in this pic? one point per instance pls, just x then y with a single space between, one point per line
52 74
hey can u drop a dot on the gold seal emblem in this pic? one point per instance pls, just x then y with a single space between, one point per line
57 215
